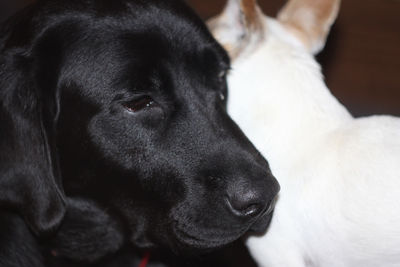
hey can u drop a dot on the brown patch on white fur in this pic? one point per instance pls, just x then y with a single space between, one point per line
249 9
310 20
242 24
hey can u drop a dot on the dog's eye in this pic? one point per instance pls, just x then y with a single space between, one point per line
139 104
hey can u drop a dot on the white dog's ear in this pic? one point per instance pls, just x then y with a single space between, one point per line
239 27
310 21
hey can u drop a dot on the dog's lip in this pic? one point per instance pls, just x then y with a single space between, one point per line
262 223
202 243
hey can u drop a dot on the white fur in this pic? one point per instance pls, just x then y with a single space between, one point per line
339 204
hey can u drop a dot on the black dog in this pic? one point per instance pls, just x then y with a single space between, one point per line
114 132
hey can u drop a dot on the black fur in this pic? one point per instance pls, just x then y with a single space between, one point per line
113 134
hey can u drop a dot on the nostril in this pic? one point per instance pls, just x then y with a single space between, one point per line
244 207
251 210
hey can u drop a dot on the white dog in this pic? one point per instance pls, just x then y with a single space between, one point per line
340 177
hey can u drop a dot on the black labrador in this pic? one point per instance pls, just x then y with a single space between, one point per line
113 132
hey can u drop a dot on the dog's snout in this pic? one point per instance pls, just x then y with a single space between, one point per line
251 199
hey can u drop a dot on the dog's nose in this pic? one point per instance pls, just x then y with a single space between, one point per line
246 205
250 200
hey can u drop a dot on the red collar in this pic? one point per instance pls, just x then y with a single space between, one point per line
145 260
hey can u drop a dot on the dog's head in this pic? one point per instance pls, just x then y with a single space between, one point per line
124 102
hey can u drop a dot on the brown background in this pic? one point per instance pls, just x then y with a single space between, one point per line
361 61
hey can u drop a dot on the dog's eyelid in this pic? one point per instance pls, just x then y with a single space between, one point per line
139 103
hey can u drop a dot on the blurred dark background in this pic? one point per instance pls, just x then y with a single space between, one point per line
361 63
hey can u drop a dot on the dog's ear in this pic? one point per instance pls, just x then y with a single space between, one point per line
30 181
240 27
310 21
